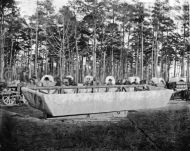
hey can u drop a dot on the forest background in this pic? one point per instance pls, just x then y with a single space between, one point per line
98 38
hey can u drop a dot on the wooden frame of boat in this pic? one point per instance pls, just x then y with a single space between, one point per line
100 99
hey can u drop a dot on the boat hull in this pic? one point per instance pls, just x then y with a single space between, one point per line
89 103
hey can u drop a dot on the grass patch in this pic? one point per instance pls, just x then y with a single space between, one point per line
141 131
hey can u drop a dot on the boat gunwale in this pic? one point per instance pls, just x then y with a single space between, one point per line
35 91
87 87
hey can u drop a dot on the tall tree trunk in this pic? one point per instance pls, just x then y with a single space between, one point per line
36 49
69 60
188 68
182 66
104 66
94 55
60 60
147 73
62 52
77 55
94 40
126 58
137 62
2 47
11 57
121 62
112 53
182 60
142 52
188 62
102 76
131 66
30 57
11 51
167 64
122 52
168 71
156 56
100 71
152 57
112 63
175 64
137 57
167 60
46 64
83 69
52 65
161 68
118 70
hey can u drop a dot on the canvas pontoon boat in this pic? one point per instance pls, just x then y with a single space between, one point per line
75 100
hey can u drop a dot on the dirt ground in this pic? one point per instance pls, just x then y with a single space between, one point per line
162 129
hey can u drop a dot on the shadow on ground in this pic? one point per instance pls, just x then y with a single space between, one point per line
167 129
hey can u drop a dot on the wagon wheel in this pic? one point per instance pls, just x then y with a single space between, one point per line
7 100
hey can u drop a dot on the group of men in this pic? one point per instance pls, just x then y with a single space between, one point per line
49 80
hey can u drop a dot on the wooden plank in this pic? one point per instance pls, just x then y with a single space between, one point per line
84 87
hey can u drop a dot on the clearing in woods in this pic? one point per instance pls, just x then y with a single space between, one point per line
162 129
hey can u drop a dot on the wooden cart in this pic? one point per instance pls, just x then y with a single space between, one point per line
10 95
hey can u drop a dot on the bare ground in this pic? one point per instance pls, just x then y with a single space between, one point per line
163 129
